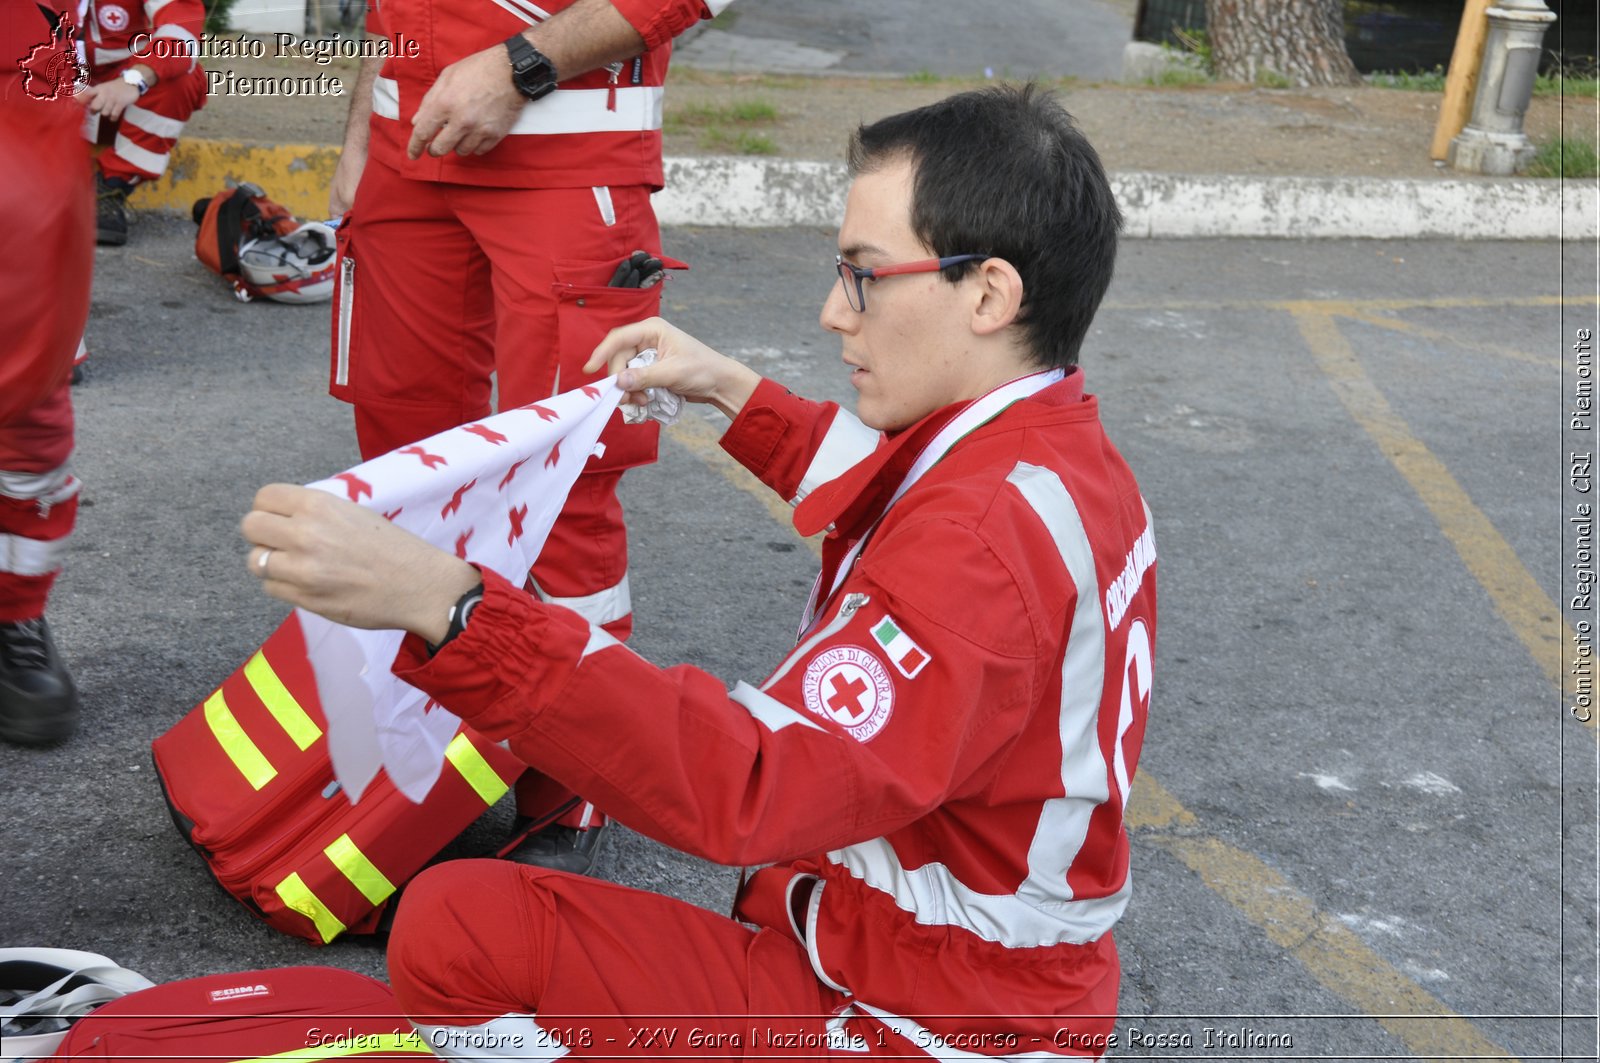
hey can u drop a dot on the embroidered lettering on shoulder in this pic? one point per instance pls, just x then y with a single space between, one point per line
902 650
850 686
1121 592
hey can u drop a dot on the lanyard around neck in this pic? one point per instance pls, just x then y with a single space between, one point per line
978 412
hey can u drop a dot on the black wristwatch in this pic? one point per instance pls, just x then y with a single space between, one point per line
460 613
532 72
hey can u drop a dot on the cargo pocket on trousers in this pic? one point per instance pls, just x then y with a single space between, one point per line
586 309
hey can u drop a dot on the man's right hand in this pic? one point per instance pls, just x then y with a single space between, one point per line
684 366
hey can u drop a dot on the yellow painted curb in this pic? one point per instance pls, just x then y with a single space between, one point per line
296 175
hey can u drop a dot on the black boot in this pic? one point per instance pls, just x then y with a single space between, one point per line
111 210
38 703
560 848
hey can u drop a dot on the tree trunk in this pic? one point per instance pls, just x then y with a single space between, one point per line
1298 42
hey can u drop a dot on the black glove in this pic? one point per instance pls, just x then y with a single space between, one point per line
638 270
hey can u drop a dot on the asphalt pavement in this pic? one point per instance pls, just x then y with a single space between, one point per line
1364 822
1029 38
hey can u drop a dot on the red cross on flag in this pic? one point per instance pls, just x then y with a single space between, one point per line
474 491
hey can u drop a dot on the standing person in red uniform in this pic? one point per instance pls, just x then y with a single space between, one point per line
145 83
45 199
937 772
497 168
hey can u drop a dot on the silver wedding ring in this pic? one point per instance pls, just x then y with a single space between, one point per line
261 562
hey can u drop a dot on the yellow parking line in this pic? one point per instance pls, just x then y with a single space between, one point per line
1329 951
1531 613
1411 329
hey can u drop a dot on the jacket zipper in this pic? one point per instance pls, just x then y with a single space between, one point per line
615 69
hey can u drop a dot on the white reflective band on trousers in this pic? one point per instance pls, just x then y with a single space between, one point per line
51 487
21 556
637 109
601 607
508 1037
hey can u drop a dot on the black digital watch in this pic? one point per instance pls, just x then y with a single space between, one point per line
532 72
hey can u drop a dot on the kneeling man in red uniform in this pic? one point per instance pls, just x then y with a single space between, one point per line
935 776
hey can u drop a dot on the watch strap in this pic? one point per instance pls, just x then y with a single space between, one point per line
136 79
460 613
532 72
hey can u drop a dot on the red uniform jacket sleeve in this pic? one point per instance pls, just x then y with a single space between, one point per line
840 744
793 444
658 21
177 25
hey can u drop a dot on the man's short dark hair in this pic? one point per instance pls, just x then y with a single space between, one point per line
1005 171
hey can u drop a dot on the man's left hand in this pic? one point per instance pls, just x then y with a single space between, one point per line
469 109
110 98
349 564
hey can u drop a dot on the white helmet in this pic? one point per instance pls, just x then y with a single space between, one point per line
44 991
297 267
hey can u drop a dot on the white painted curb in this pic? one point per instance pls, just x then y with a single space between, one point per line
757 193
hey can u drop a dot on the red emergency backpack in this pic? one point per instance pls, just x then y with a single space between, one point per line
249 783
299 1014
265 251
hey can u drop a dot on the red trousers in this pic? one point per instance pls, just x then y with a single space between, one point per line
46 255
493 960
441 285
142 139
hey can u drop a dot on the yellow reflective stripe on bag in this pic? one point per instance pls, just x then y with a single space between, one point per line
297 896
473 768
255 768
356 1044
294 720
362 873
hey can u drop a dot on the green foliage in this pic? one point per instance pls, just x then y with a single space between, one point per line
1564 157
1271 79
218 14
1198 44
923 77
743 142
1567 82
751 112
727 127
1410 81
1180 76
1191 60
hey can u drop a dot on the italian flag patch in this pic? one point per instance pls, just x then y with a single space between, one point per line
908 657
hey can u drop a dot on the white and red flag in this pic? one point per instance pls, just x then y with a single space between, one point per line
488 492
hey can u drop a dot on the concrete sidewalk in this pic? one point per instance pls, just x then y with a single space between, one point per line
752 192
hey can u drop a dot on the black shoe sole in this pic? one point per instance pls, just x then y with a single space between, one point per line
41 730
107 238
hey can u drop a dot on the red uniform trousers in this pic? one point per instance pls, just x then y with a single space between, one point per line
47 248
38 502
140 142
489 958
441 285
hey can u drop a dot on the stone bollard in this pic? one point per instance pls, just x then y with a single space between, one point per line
1493 141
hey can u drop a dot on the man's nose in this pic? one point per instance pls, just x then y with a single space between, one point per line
836 313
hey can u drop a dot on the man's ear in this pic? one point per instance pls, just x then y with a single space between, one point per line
999 290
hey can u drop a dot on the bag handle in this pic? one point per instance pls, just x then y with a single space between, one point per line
105 982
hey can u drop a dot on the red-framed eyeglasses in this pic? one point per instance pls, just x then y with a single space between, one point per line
852 275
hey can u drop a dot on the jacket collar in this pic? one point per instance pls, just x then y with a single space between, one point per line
851 502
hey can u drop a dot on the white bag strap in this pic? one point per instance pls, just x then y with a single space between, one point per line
105 982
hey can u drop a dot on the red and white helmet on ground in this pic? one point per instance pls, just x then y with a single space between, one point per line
296 267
